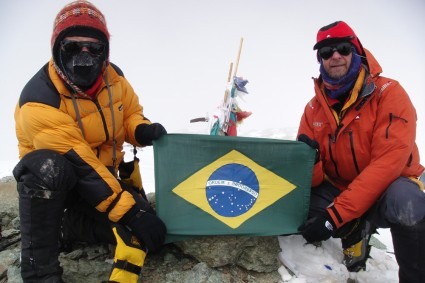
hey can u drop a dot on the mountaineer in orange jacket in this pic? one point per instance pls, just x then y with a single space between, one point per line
72 120
367 172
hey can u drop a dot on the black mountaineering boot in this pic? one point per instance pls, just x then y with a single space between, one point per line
356 246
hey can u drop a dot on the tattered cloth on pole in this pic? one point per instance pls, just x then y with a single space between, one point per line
229 114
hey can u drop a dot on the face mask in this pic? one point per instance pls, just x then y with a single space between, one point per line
82 68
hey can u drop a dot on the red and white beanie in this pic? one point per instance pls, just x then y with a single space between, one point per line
337 32
79 18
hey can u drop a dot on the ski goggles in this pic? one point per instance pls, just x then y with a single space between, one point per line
343 48
74 47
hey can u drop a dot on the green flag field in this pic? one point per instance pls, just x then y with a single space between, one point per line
222 185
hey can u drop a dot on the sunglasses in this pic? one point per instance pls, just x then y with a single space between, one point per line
343 48
75 47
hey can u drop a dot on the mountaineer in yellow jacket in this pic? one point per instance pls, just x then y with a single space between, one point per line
72 119
367 172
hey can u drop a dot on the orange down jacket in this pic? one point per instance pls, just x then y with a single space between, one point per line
367 148
46 118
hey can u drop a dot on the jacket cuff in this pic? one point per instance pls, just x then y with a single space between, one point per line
336 218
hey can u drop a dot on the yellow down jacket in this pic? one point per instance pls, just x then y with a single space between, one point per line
46 118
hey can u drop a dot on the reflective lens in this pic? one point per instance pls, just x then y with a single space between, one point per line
75 47
343 48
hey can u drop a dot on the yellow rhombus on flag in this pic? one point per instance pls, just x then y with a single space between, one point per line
221 191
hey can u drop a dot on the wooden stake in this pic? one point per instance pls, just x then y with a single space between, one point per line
229 76
230 72
239 56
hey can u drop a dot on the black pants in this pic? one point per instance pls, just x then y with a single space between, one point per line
83 223
48 205
43 180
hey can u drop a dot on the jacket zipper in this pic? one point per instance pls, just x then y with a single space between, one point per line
353 153
332 140
99 108
409 162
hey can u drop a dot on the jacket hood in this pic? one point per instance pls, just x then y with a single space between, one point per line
374 68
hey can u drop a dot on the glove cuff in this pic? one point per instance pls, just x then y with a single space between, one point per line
129 217
331 212
329 223
329 226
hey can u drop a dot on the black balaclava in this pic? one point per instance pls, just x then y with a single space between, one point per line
81 69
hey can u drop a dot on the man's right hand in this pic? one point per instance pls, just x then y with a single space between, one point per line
316 229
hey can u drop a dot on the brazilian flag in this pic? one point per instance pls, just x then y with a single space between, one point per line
222 185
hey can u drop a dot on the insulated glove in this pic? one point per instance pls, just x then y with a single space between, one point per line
129 256
146 133
311 143
318 228
129 173
148 228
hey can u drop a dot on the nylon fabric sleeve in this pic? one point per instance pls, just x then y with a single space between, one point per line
305 128
133 113
60 133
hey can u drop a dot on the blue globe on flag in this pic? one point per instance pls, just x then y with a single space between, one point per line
232 190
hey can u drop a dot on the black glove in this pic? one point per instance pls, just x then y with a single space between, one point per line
316 229
311 143
146 226
146 133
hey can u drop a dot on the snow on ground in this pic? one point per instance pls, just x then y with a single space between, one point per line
310 264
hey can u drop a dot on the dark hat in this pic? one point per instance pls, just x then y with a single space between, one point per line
79 18
337 32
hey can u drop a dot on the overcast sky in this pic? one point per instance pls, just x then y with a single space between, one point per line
176 54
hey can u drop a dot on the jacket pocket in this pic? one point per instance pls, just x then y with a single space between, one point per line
392 119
